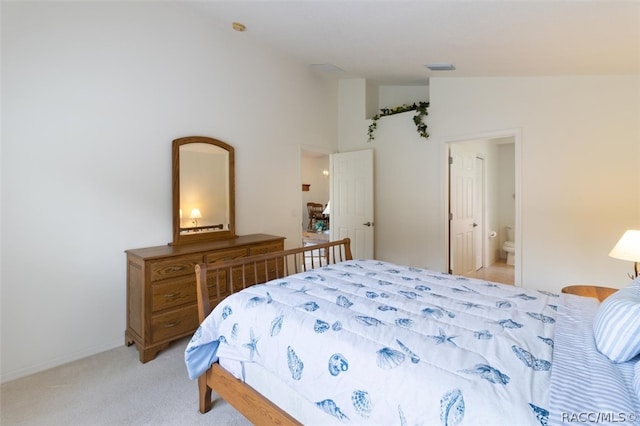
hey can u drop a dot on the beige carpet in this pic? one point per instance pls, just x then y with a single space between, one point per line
112 388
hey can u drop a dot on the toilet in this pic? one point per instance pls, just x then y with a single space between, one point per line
509 245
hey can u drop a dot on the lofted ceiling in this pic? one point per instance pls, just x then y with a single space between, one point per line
389 42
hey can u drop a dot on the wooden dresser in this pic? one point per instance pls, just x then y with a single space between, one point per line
161 287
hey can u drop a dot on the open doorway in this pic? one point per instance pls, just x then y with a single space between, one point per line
347 177
315 222
482 209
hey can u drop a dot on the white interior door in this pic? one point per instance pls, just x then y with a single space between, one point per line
462 198
352 200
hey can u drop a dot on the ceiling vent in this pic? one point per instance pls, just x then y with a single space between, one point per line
327 68
440 67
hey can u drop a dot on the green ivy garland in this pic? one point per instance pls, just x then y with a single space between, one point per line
421 112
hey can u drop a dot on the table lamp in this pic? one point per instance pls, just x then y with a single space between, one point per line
327 209
628 248
195 215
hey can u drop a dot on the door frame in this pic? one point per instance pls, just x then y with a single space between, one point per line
516 134
481 203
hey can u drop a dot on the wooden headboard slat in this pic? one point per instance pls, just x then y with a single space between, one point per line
260 268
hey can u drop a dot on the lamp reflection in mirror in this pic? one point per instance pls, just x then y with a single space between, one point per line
628 248
195 215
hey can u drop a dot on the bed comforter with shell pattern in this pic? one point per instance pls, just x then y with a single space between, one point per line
370 342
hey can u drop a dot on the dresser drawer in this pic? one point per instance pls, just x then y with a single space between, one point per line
175 267
271 265
174 323
214 281
221 255
266 248
171 293
258 275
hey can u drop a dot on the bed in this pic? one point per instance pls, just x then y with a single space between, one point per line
333 340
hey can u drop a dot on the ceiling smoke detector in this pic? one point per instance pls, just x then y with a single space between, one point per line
440 67
238 26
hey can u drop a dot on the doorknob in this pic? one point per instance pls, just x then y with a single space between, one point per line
475 224
368 224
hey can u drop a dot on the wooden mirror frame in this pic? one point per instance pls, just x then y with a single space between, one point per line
178 237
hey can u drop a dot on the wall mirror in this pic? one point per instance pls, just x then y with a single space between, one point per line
203 190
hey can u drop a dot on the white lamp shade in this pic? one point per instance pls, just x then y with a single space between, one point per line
327 209
628 248
195 214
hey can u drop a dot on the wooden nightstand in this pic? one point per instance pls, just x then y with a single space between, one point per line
599 293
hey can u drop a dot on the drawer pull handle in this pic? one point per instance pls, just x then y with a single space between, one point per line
171 324
171 295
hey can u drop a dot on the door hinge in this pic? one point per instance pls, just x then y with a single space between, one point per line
450 160
450 216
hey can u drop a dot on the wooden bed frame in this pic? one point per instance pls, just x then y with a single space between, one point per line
239 274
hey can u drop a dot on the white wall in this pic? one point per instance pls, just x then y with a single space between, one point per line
402 206
391 96
580 174
580 156
92 96
492 167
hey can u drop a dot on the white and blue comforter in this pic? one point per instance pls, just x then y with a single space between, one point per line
369 342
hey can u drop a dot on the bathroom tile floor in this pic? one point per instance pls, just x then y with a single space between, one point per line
499 272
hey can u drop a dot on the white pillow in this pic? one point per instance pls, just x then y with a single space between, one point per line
616 327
